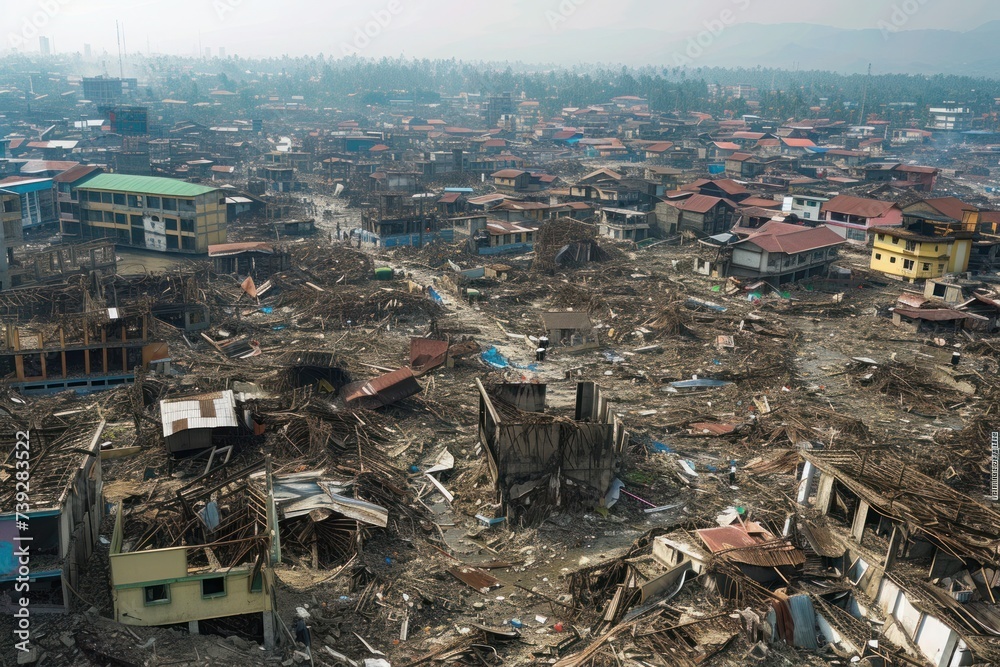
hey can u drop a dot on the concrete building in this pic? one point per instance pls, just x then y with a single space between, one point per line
160 214
38 201
11 233
64 519
780 253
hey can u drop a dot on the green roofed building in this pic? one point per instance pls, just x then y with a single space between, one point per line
161 214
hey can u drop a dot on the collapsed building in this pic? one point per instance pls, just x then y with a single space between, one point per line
541 459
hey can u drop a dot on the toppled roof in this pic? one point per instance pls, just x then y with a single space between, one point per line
751 544
383 390
932 315
214 410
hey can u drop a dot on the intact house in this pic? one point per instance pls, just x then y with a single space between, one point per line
63 521
572 329
539 459
701 214
518 180
929 245
625 225
780 253
918 178
205 553
806 207
853 217
194 423
501 238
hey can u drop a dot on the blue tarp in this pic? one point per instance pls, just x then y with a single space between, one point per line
435 297
493 358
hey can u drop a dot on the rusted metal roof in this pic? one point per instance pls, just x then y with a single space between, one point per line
750 544
475 578
426 353
383 390
822 540
932 315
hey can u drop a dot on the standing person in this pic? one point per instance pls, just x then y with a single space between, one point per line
732 473
302 634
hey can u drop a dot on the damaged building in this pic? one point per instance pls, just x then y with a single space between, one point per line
540 459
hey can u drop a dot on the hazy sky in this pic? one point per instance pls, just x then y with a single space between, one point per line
429 28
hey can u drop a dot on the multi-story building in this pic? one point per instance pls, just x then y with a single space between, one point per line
38 200
950 118
929 245
11 233
160 214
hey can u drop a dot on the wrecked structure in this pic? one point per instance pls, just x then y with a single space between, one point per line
539 459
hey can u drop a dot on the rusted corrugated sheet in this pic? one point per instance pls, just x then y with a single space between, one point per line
426 354
760 548
822 540
383 390
473 577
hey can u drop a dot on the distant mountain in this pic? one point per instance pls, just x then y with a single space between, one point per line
785 46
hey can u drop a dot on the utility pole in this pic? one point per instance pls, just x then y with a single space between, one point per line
864 96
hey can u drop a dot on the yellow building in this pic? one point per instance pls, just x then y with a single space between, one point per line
190 565
927 246
162 214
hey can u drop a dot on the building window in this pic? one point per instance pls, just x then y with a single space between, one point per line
109 217
187 243
159 594
186 204
892 260
133 201
213 588
169 204
856 234
172 243
171 224
907 264
121 219
136 220
119 199
926 266
187 226
152 202
878 255
940 267
895 241
106 198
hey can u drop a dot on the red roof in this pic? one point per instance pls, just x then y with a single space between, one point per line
727 146
864 208
740 157
378 148
799 143
449 197
727 185
494 143
792 239
74 174
952 207
915 169
699 203
508 173
769 143
659 147
761 202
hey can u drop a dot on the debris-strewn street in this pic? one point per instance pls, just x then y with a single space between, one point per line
399 378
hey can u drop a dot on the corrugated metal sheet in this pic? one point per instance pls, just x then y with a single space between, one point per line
216 410
822 540
383 390
751 545
475 578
